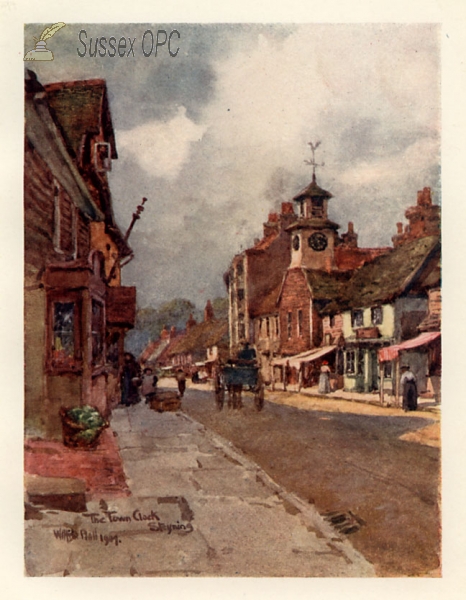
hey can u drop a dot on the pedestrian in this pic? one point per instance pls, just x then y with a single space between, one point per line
324 378
130 380
181 379
286 375
149 384
408 386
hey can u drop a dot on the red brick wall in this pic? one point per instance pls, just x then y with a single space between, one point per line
334 331
295 296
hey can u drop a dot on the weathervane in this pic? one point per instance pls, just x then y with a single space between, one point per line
312 162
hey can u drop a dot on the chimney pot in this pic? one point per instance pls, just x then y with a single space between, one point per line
399 227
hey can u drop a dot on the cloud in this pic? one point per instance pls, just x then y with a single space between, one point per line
162 148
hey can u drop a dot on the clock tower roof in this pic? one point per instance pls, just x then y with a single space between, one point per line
313 223
312 191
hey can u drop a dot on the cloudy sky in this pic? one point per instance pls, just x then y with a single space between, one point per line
217 136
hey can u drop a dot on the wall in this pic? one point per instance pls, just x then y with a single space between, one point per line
295 296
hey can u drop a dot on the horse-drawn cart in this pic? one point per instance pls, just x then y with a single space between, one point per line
233 378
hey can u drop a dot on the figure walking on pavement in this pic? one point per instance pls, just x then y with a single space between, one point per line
408 386
181 379
130 380
149 384
324 378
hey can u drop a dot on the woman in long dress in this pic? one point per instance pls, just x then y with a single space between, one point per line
324 378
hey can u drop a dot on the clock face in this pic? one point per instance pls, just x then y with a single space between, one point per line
296 242
318 241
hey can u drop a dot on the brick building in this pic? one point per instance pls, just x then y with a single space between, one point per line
76 311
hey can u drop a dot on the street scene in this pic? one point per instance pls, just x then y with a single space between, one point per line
233 301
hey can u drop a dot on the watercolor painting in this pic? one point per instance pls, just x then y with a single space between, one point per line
232 300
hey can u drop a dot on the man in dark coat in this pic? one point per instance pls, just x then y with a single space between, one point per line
130 380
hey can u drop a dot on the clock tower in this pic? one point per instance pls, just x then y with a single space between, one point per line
313 235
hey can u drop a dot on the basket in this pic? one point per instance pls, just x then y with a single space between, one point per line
77 435
165 401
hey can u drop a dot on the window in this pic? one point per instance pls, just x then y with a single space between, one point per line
296 242
277 326
102 157
331 320
360 362
267 327
288 324
57 217
239 269
65 223
63 333
97 333
300 323
241 294
357 319
376 315
350 362
317 208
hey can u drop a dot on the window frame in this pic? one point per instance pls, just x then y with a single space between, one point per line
350 359
54 365
376 310
289 324
354 313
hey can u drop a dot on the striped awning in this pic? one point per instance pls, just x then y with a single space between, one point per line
308 356
392 352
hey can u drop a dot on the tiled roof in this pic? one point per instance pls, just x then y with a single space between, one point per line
81 107
202 336
387 276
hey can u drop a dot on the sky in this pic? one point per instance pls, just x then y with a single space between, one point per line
217 136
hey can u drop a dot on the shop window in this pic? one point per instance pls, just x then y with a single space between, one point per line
97 333
376 315
387 369
350 358
357 318
63 330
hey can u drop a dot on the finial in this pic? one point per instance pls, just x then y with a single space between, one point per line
312 162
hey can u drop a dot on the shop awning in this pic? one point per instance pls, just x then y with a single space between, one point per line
392 352
308 356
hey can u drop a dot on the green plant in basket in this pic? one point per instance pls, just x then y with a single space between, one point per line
82 426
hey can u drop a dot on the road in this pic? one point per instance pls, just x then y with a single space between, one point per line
347 458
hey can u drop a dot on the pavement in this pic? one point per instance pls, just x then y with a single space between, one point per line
197 507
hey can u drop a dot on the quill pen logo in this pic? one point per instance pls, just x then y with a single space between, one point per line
40 52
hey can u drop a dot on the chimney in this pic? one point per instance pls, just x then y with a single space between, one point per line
164 334
208 312
190 323
424 198
287 208
350 227
399 228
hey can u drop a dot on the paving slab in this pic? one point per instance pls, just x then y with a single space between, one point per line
197 507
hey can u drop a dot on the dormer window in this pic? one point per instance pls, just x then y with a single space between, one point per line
102 157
